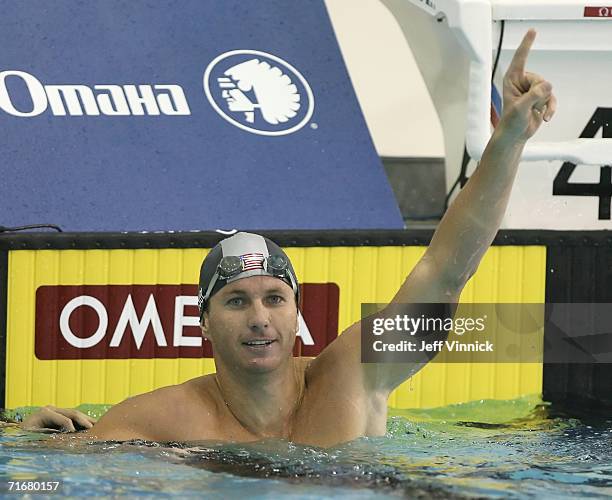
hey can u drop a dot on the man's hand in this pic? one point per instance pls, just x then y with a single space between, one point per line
60 419
528 98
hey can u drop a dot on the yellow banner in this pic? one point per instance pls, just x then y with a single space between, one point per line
363 274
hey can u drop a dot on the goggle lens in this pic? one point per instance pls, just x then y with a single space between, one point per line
229 266
277 264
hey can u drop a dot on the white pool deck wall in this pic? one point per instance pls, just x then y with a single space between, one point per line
403 121
395 102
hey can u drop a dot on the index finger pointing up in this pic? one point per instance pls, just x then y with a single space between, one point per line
517 65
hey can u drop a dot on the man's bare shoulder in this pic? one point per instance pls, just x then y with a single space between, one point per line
172 399
339 364
197 391
165 414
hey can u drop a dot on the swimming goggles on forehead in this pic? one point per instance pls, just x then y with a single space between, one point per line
232 266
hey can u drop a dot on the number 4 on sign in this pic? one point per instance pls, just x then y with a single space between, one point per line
600 120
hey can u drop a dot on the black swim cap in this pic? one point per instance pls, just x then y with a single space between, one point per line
241 256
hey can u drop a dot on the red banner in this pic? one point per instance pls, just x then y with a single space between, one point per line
152 321
598 12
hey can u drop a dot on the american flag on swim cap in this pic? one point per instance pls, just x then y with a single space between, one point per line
252 250
252 261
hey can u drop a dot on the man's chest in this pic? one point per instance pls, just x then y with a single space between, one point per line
322 419
329 418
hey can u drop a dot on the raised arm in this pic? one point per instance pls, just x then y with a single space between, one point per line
466 230
470 224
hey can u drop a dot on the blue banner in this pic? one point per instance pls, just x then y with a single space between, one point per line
194 115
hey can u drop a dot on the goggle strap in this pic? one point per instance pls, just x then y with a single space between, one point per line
211 285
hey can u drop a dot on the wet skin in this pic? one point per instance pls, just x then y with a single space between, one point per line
258 391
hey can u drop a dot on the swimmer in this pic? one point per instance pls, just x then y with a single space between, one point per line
248 295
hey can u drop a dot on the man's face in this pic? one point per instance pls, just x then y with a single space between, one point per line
252 324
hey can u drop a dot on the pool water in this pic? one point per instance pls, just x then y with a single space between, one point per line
507 449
